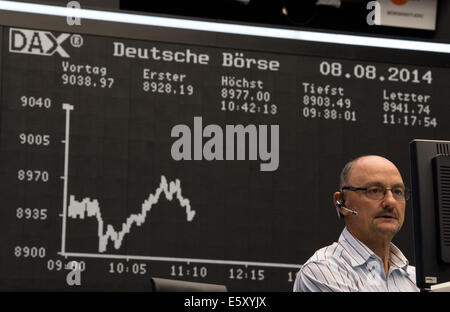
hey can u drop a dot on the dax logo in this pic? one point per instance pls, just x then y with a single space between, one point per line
36 42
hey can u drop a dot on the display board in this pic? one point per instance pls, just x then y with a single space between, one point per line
142 151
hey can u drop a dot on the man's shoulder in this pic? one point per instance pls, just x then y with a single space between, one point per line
328 255
327 270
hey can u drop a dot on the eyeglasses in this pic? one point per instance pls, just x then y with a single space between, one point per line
379 192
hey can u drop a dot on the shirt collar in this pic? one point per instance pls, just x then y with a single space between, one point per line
358 253
397 258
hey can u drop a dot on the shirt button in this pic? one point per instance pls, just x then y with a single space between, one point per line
373 268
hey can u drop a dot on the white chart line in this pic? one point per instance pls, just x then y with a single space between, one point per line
106 232
175 259
67 108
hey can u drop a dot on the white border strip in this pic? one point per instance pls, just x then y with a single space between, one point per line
225 28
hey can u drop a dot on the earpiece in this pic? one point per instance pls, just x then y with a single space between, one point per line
339 205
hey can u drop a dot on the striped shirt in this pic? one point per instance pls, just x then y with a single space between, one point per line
349 265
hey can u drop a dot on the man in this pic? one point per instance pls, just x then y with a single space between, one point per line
372 201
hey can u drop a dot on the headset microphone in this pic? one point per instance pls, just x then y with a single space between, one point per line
340 205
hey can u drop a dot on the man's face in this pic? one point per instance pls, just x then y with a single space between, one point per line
376 218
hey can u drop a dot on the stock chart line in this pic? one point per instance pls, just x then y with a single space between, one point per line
91 208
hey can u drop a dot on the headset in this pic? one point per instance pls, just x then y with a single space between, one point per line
340 205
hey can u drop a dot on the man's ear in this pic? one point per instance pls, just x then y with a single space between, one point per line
337 196
337 199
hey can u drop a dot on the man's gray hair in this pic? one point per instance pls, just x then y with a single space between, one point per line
345 173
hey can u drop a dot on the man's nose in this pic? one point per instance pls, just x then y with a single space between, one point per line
389 197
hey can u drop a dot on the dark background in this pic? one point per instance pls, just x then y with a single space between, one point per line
121 142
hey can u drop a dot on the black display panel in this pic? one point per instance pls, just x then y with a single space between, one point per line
121 153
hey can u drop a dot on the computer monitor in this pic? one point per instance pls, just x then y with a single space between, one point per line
430 180
170 285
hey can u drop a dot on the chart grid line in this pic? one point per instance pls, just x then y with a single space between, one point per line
176 259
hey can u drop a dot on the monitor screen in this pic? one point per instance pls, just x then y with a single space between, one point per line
430 180
136 145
